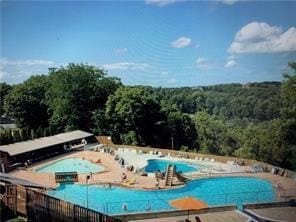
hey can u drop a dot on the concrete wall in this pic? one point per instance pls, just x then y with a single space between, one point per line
267 205
173 213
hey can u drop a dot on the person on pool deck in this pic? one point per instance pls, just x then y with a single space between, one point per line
123 177
197 219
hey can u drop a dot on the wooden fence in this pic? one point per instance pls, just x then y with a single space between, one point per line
105 140
37 206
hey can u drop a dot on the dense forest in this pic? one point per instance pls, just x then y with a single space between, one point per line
255 120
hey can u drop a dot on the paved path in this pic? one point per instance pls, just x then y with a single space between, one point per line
225 216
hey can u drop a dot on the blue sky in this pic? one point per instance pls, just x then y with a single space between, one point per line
154 42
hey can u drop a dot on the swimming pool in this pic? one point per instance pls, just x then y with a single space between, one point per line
214 191
71 164
156 164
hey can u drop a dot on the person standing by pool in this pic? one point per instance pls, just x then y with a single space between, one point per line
157 184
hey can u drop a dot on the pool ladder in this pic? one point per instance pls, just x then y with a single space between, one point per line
169 176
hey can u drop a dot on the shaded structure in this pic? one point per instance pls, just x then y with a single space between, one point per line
27 152
9 179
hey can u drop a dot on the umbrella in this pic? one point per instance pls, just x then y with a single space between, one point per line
188 203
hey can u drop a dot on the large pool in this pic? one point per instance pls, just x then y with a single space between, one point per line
214 191
161 165
71 164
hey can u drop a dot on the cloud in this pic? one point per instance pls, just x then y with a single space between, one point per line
230 63
126 66
181 42
258 37
229 2
161 3
15 71
3 74
231 57
120 51
172 80
29 62
203 63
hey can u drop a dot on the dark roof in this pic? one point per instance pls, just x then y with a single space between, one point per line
44 142
7 178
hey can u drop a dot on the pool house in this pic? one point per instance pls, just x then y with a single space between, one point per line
28 152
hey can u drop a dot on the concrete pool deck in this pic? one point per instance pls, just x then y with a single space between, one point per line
229 216
113 171
277 213
140 160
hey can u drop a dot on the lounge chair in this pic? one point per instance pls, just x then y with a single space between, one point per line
282 172
130 181
230 162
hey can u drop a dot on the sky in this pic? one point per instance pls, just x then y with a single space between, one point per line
167 43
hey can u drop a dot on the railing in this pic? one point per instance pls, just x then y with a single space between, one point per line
37 206
238 199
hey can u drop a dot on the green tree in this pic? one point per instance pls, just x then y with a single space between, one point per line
288 130
288 93
75 92
182 130
211 132
133 113
4 90
26 103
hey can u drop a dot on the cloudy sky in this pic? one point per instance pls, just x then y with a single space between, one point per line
153 42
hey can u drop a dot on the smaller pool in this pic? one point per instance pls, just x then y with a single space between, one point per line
71 164
156 165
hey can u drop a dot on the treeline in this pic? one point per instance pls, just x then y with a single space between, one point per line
255 120
254 101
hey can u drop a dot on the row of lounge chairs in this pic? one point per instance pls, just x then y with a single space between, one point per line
280 172
206 159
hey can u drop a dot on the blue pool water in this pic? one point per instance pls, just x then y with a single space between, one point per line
71 164
214 191
155 165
